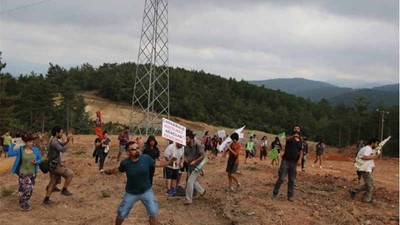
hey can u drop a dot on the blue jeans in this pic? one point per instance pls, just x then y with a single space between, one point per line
129 200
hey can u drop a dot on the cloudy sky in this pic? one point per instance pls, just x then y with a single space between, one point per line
343 42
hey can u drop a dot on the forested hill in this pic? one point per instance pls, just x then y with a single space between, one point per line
200 96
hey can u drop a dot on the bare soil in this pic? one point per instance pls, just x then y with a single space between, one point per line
321 195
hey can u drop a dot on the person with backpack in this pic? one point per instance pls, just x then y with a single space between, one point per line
193 155
56 168
319 149
25 166
233 162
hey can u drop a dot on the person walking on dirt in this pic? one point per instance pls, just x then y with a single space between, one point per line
276 144
293 152
359 146
101 151
263 151
25 166
123 140
193 155
207 144
305 155
233 162
319 149
56 168
171 174
150 148
366 157
137 168
255 146
249 150
6 143
215 143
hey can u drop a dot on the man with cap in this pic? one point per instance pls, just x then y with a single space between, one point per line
193 155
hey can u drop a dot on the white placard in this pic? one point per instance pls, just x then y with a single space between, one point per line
174 132
241 135
221 134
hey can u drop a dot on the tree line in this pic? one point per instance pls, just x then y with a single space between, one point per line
37 101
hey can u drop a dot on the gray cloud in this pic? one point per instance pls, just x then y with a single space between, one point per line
321 40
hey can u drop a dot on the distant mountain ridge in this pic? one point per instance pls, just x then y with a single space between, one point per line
317 90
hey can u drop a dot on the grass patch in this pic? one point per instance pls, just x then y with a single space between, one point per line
7 192
105 194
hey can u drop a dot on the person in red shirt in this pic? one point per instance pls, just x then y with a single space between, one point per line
233 162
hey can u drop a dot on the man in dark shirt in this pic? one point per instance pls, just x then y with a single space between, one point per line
293 152
138 186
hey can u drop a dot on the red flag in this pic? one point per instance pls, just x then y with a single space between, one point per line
99 126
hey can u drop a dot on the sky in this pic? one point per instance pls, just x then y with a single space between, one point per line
347 43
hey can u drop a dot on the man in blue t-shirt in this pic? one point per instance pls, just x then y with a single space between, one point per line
138 186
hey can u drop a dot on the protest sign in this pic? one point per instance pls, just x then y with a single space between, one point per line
221 134
273 154
173 132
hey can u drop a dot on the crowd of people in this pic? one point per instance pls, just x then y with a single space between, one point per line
141 162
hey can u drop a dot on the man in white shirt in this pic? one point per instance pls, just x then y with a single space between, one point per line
365 158
171 173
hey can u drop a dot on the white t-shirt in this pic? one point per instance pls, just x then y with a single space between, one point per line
169 153
264 143
369 164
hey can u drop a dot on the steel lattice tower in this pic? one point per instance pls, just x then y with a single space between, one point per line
151 89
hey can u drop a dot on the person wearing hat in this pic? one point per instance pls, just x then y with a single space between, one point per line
25 166
138 187
150 148
193 155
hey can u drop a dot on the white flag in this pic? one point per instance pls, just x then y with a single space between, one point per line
227 140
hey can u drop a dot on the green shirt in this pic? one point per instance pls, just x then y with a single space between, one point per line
7 140
249 146
26 163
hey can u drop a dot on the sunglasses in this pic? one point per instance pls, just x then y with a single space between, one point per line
132 149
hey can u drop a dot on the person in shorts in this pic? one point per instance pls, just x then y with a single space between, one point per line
207 144
170 173
6 143
56 168
233 162
138 187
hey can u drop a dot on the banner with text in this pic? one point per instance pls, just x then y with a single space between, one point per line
174 132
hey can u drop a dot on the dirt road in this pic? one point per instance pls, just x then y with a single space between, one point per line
321 195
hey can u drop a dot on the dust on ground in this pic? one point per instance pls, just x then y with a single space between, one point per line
321 195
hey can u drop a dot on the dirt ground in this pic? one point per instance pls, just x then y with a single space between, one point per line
321 195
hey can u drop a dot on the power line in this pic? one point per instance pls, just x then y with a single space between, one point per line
23 7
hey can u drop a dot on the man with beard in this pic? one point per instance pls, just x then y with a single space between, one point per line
193 155
137 168
293 152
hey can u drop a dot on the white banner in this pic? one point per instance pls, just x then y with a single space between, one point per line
173 132
221 134
228 139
